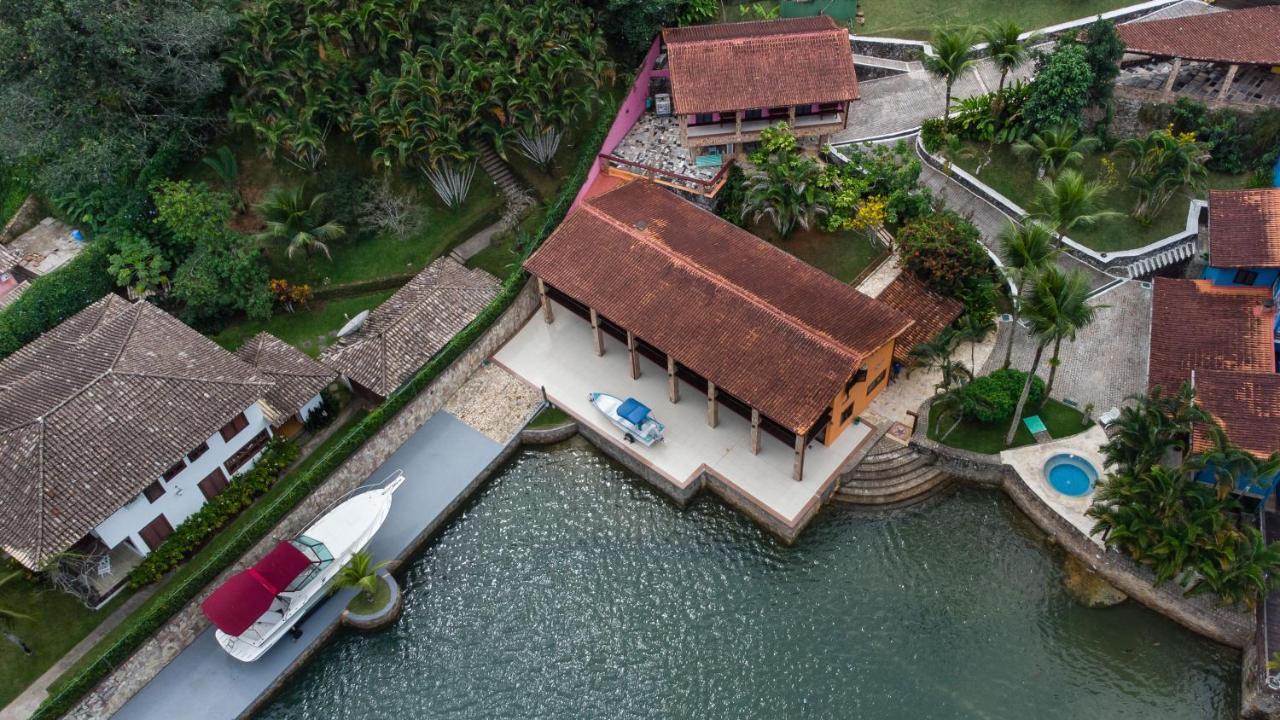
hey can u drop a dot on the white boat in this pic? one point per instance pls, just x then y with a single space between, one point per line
631 416
255 608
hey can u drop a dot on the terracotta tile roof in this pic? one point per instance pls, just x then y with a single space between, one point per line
1244 227
297 378
767 328
97 408
773 63
404 332
1236 36
1246 405
931 312
1196 325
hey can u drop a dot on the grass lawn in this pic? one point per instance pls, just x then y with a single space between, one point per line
1061 420
310 330
551 416
362 606
58 621
219 540
843 255
915 19
1015 178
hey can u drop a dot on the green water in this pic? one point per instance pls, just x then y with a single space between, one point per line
570 590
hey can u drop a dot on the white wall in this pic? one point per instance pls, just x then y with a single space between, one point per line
305 411
182 495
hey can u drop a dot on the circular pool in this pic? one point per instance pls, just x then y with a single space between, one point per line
1070 474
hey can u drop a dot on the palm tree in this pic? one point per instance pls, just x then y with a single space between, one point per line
1150 427
1055 148
1069 201
973 328
1232 466
1040 311
1007 50
1072 313
1160 165
298 221
8 616
361 573
1025 249
784 185
952 55
929 354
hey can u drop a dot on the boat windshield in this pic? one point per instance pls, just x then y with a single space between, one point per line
318 554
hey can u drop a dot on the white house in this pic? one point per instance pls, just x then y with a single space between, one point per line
121 422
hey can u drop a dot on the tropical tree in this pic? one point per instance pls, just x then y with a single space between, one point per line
936 354
1072 312
299 221
1233 466
1150 426
1040 310
224 165
1060 92
1008 50
973 327
360 573
1162 164
1025 249
9 616
784 186
1055 148
1069 201
952 55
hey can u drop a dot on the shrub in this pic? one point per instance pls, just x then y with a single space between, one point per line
944 252
1238 142
933 134
55 297
992 398
1061 90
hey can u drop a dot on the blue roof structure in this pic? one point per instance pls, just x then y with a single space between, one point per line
633 411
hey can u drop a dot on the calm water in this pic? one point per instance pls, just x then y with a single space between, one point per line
570 590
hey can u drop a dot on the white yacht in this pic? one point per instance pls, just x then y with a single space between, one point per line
255 608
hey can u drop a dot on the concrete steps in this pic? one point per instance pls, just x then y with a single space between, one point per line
495 168
892 475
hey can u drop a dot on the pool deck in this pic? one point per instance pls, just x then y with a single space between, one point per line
1028 462
444 462
558 357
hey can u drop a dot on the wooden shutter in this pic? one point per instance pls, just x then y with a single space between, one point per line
156 531
213 484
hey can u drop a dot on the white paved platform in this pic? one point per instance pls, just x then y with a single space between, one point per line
559 358
1029 462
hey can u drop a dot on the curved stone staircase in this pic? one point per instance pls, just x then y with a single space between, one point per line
891 475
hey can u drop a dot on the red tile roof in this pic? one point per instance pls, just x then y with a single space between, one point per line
1246 405
1196 325
1244 227
932 312
770 330
1235 36
743 66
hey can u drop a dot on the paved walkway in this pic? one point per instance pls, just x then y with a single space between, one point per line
441 461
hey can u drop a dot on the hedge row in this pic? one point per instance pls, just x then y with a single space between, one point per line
193 532
55 297
168 601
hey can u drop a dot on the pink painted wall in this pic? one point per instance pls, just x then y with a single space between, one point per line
630 111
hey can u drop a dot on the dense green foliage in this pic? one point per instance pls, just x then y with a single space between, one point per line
1103 50
89 90
1237 141
631 25
992 398
1061 89
55 297
783 184
1162 165
944 251
196 529
731 196
952 55
889 174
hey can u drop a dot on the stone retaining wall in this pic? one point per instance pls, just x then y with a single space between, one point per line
549 435
132 675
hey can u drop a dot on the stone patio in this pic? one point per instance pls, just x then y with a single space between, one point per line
494 402
1028 462
558 358
655 141
46 247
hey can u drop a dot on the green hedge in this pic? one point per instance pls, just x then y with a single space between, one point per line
193 532
55 297
169 600
993 398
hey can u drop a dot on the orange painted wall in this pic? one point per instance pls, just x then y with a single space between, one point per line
860 396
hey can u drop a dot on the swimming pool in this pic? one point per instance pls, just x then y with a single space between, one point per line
1070 474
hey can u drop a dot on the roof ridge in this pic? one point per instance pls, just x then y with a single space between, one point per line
723 283
39 547
184 378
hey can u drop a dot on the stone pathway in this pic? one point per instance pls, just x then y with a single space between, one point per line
494 402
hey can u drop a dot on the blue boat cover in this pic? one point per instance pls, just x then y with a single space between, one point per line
633 412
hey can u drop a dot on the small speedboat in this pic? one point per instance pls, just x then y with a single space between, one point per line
631 416
255 608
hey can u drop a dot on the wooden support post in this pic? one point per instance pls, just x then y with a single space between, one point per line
1173 77
673 383
737 125
547 315
635 357
1226 83
597 337
713 409
791 117
755 431
797 472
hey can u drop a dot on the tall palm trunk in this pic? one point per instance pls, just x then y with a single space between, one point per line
1013 329
1053 366
946 109
1022 399
997 103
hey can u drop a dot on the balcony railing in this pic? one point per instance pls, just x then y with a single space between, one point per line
699 186
728 127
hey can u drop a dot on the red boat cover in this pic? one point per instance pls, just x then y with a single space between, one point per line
234 607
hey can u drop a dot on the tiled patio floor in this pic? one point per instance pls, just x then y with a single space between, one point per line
1029 462
559 358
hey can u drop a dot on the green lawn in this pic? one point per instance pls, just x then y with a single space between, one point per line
915 19
844 255
1015 178
58 621
310 330
1061 420
361 606
551 416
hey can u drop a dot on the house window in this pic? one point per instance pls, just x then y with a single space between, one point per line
153 492
201 449
702 119
246 453
234 427
213 485
845 414
172 472
156 531
1245 277
857 378
754 114
779 112
876 383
